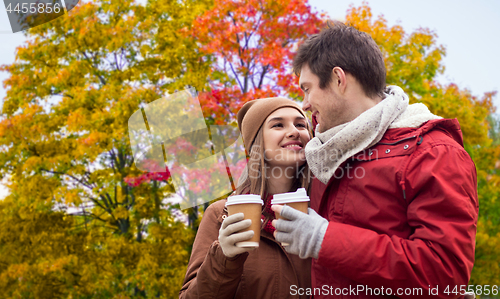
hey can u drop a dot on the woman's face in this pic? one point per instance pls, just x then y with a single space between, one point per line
285 133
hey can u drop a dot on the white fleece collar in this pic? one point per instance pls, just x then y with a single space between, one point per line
413 117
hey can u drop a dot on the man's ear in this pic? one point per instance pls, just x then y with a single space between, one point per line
339 79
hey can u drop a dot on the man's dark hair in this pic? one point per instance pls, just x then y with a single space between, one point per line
348 48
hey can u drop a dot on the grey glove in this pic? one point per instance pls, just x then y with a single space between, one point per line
228 235
304 232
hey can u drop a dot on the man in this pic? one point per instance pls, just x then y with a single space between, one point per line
394 188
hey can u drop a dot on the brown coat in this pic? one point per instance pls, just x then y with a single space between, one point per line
266 272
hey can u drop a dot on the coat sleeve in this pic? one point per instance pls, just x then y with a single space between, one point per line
210 273
441 193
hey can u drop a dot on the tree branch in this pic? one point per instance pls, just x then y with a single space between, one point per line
236 76
264 71
103 82
86 183
116 62
104 200
62 95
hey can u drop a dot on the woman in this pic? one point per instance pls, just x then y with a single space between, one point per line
275 132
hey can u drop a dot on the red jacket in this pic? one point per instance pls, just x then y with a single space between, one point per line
402 214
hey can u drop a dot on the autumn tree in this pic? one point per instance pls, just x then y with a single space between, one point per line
70 93
251 46
413 60
82 220
253 43
74 226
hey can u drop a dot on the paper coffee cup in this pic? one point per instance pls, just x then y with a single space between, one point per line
251 206
298 200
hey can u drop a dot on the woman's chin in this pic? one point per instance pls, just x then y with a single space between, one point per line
292 163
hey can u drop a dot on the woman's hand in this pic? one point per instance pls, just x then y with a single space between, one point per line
228 234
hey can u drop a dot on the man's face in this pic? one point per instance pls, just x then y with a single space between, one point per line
327 106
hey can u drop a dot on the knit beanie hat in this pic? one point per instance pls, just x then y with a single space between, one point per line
253 114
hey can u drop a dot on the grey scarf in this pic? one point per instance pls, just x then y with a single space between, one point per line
329 149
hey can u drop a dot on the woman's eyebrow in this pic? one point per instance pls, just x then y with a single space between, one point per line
275 118
281 118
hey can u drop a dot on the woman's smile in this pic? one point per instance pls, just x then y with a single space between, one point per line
294 146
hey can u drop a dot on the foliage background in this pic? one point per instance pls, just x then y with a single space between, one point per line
81 221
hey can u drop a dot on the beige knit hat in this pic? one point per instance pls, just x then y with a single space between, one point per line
253 114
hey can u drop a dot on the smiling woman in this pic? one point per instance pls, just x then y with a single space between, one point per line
268 126
285 135
275 132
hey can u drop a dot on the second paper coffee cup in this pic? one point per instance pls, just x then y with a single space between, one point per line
298 200
251 206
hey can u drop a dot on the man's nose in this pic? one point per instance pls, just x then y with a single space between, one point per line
305 104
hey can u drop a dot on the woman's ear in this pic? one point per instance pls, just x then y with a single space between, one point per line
339 81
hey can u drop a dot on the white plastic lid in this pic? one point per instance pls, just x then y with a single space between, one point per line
298 196
244 198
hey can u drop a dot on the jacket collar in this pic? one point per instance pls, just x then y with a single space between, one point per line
449 126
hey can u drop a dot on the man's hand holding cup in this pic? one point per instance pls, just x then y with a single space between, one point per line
303 232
